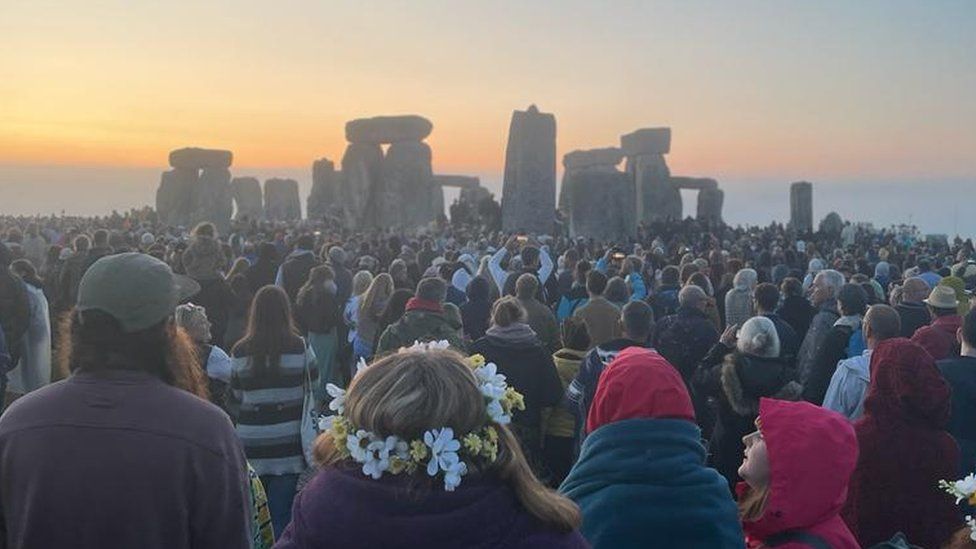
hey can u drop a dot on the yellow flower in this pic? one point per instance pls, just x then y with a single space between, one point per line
514 399
397 465
472 443
490 450
972 499
476 361
339 427
418 450
491 434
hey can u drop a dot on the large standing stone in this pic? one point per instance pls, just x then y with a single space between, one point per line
175 195
323 200
602 204
605 159
388 129
281 200
658 199
196 158
529 189
212 198
710 202
801 206
362 166
409 196
646 141
247 197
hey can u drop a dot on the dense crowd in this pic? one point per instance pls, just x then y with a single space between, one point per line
304 385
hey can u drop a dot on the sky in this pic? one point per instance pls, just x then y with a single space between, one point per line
837 92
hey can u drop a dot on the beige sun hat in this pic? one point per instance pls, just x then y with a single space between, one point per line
942 297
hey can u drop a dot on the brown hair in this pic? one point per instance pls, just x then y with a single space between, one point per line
270 330
94 341
507 311
376 296
408 393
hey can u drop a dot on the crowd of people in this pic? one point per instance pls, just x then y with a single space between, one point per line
303 385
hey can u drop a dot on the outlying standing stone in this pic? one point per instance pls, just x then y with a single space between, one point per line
529 189
710 204
388 129
801 206
281 200
326 187
247 197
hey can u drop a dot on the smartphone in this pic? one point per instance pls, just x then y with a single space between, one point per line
522 238
619 256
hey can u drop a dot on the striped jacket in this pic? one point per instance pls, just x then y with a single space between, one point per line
268 409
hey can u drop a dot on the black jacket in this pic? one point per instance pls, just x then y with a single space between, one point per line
913 316
294 272
832 351
218 299
797 312
317 311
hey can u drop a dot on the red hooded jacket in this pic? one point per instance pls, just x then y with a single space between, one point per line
904 451
812 452
939 337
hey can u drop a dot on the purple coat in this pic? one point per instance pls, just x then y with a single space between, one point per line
343 508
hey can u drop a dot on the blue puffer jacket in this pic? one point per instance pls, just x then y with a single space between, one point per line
643 483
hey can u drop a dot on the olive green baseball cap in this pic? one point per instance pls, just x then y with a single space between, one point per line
136 289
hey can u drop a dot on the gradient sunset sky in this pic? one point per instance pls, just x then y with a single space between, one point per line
771 89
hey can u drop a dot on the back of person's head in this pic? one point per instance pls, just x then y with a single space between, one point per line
852 299
526 286
745 279
478 289
269 329
616 290
100 238
320 274
530 256
337 256
81 243
669 275
637 319
446 270
267 252
206 229
193 319
792 287
915 290
432 289
596 282
691 296
571 256
361 281
699 279
507 311
412 393
832 281
758 337
582 269
396 306
924 265
305 242
398 268
767 297
881 322
574 334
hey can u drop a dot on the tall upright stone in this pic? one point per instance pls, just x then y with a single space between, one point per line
605 159
600 203
281 200
324 199
658 199
212 199
529 188
174 196
362 169
247 197
710 201
409 195
801 206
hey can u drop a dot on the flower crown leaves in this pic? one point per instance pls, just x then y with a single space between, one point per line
439 451
964 489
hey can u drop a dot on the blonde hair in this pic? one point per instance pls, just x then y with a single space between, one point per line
752 504
507 311
240 267
758 337
379 292
360 282
408 393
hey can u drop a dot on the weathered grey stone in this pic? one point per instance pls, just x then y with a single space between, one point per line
694 183
459 181
409 197
474 195
529 189
211 198
646 141
608 157
388 129
196 158
281 200
174 196
323 200
658 199
362 166
247 197
710 200
801 206
602 204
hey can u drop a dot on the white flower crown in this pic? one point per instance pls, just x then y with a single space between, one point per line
964 489
438 451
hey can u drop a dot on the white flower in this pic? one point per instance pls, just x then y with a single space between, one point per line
354 443
338 394
452 475
325 423
966 486
497 413
361 365
378 455
427 346
443 449
971 522
488 375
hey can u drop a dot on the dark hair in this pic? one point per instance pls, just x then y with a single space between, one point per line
100 237
26 271
305 242
530 255
792 287
969 328
596 282
507 311
270 330
478 289
582 268
617 291
81 243
395 307
767 296
432 289
853 300
267 252
669 275
526 286
93 340
575 334
638 320
687 270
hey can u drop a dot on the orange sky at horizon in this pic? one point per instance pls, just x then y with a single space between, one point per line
831 90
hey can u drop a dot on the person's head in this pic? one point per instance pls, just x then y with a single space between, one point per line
410 393
958 285
81 243
852 300
745 279
574 334
906 385
193 319
914 290
826 286
767 297
530 257
267 253
124 321
240 266
570 258
206 229
669 276
380 290
581 270
924 266
639 384
100 238
687 270
526 286
478 289
596 283
637 321
396 306
432 289
337 256
967 333
507 311
398 269
881 322
791 287
942 302
269 329
617 291
361 281
692 297
699 279
758 337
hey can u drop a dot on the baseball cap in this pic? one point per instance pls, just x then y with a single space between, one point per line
136 289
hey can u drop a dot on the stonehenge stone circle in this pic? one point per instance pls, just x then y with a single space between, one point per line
409 195
198 159
362 170
381 130
281 200
174 195
529 187
326 188
801 206
601 204
646 141
657 198
211 198
607 157
246 192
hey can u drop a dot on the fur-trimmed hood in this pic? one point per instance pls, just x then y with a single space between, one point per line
747 378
